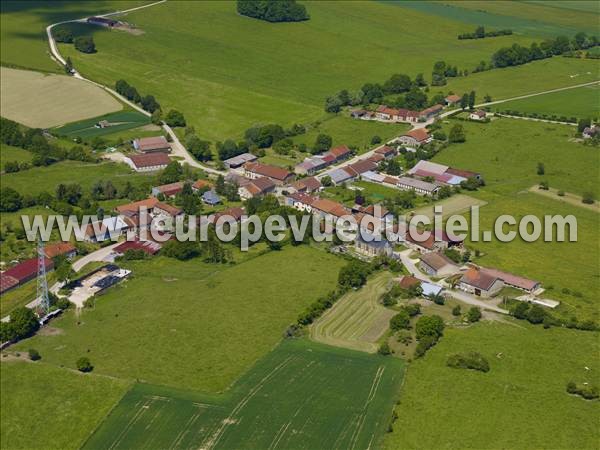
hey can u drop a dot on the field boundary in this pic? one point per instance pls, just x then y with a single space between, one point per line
571 199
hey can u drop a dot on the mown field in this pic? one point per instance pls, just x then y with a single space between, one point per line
580 103
520 403
217 76
358 319
121 121
506 152
192 325
43 101
298 396
49 407
23 41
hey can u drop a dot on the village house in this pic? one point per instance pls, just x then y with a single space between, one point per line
279 176
452 99
152 145
478 115
419 186
432 111
65 249
437 265
105 229
328 209
307 185
368 245
201 185
166 210
135 207
415 138
234 213
239 160
255 188
386 151
340 153
148 162
376 158
168 190
310 166
480 283
408 281
300 201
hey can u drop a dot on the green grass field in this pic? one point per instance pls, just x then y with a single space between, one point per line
48 407
86 174
580 103
192 325
520 403
218 79
301 395
123 120
506 152
357 320
10 154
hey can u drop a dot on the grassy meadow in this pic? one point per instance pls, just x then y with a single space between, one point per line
55 408
580 103
218 78
192 325
520 403
295 397
9 153
121 121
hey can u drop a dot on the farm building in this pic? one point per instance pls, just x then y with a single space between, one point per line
441 173
60 249
22 273
437 264
107 228
148 247
415 138
102 21
256 187
339 176
239 160
340 152
431 111
368 245
430 289
386 151
419 186
278 175
149 162
307 185
152 145
480 283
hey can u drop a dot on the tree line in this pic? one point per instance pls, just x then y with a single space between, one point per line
480 33
273 10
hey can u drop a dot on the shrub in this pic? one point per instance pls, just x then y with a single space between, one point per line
424 344
400 321
384 349
429 326
84 365
85 44
588 198
456 311
474 314
536 314
412 309
34 355
587 392
470 360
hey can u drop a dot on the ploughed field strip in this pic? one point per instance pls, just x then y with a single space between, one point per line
301 395
357 320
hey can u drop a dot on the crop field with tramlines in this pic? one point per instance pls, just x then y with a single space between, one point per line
302 395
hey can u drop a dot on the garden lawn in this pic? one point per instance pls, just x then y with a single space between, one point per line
579 103
520 403
66 172
51 407
192 325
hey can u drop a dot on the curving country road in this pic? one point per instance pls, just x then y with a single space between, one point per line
178 149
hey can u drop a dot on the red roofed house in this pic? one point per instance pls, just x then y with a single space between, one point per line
407 281
25 271
341 152
60 248
480 283
478 115
148 247
300 201
152 145
452 99
326 208
386 151
256 187
236 213
201 185
309 185
168 190
278 175
415 138
167 210
134 208
149 162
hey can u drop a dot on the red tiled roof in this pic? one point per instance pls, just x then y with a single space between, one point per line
509 278
200 184
7 282
235 212
420 134
427 243
376 157
302 198
260 185
453 98
148 203
478 279
330 207
407 281
27 269
436 260
385 150
150 247
60 248
362 166
340 151
461 173
276 173
150 159
442 178
310 184
152 143
169 209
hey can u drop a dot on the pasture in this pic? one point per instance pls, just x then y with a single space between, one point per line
457 204
43 101
119 121
11 154
301 395
520 403
190 59
190 324
51 407
357 320
580 103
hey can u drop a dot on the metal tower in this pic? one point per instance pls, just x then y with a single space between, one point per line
42 284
